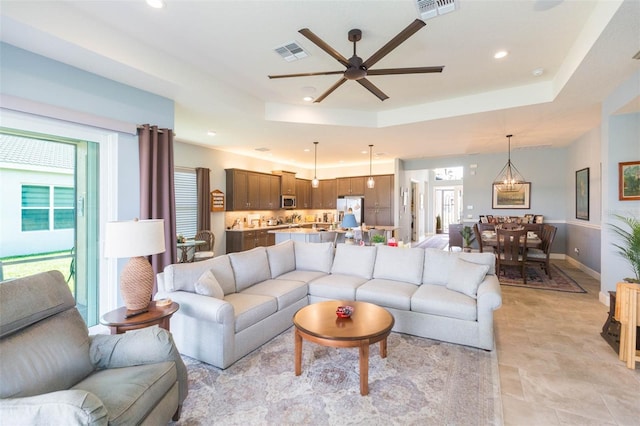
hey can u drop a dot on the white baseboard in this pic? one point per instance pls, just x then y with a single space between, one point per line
602 297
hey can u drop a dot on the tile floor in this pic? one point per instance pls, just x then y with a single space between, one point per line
555 368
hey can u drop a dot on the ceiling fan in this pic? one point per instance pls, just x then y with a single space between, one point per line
357 69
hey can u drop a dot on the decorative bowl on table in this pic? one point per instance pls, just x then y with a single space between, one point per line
344 311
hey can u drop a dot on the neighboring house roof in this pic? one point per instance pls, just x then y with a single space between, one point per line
36 152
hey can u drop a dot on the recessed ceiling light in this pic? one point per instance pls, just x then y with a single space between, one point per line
306 150
364 152
211 133
537 72
500 54
307 98
262 149
156 4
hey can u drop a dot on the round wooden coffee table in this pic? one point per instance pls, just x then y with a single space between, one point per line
319 323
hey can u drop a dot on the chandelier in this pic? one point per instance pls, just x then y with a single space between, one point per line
509 179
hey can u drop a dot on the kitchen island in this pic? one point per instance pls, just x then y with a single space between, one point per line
310 235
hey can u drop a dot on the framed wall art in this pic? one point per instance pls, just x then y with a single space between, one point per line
582 194
520 199
629 181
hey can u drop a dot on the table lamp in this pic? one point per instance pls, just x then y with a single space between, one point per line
135 239
349 222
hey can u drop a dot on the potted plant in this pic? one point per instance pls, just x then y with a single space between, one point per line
377 239
438 224
468 237
629 248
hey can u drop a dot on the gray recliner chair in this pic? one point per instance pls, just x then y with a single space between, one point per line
53 372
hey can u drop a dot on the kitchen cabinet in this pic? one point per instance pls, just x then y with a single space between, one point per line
287 182
324 197
246 240
243 191
350 185
303 193
378 202
269 190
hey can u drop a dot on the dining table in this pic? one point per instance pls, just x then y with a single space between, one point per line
490 239
184 247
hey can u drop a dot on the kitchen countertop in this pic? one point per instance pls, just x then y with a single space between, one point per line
258 228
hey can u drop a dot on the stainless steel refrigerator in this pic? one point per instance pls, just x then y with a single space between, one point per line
356 204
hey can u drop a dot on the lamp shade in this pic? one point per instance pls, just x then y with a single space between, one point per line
349 221
134 238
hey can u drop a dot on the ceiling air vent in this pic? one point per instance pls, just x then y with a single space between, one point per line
291 51
431 8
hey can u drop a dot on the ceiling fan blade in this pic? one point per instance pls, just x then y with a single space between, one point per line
372 88
324 46
394 42
306 74
416 70
330 90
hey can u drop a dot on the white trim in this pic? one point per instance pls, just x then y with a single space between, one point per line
47 111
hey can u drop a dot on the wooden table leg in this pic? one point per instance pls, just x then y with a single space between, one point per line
364 367
298 353
383 348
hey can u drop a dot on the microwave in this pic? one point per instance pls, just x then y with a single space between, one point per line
288 202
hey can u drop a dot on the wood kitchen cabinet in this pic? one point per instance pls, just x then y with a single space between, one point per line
378 202
303 193
325 196
246 240
350 185
243 190
269 190
287 182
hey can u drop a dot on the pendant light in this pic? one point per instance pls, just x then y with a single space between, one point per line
315 182
509 179
370 182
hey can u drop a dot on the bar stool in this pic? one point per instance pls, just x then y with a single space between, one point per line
628 314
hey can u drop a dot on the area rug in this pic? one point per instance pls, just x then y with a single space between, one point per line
421 382
438 241
538 279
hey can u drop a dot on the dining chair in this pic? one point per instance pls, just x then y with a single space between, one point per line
204 251
455 237
478 234
511 250
541 256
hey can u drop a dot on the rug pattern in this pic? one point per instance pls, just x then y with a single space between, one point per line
421 381
536 278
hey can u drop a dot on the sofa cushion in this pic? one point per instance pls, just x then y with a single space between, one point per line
466 277
183 276
351 259
388 293
336 286
314 256
437 264
250 267
251 308
302 276
436 299
128 392
208 285
399 264
282 258
488 259
285 292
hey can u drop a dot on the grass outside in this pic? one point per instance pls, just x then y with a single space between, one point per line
22 266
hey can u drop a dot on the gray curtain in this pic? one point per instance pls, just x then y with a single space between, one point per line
204 208
157 195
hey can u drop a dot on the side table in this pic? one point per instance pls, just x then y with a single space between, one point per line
118 323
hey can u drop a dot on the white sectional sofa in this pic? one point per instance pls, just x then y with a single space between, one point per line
233 304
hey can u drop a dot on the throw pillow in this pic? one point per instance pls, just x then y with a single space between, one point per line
208 285
465 277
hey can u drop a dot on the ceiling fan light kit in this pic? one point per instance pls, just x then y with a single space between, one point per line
356 68
509 179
